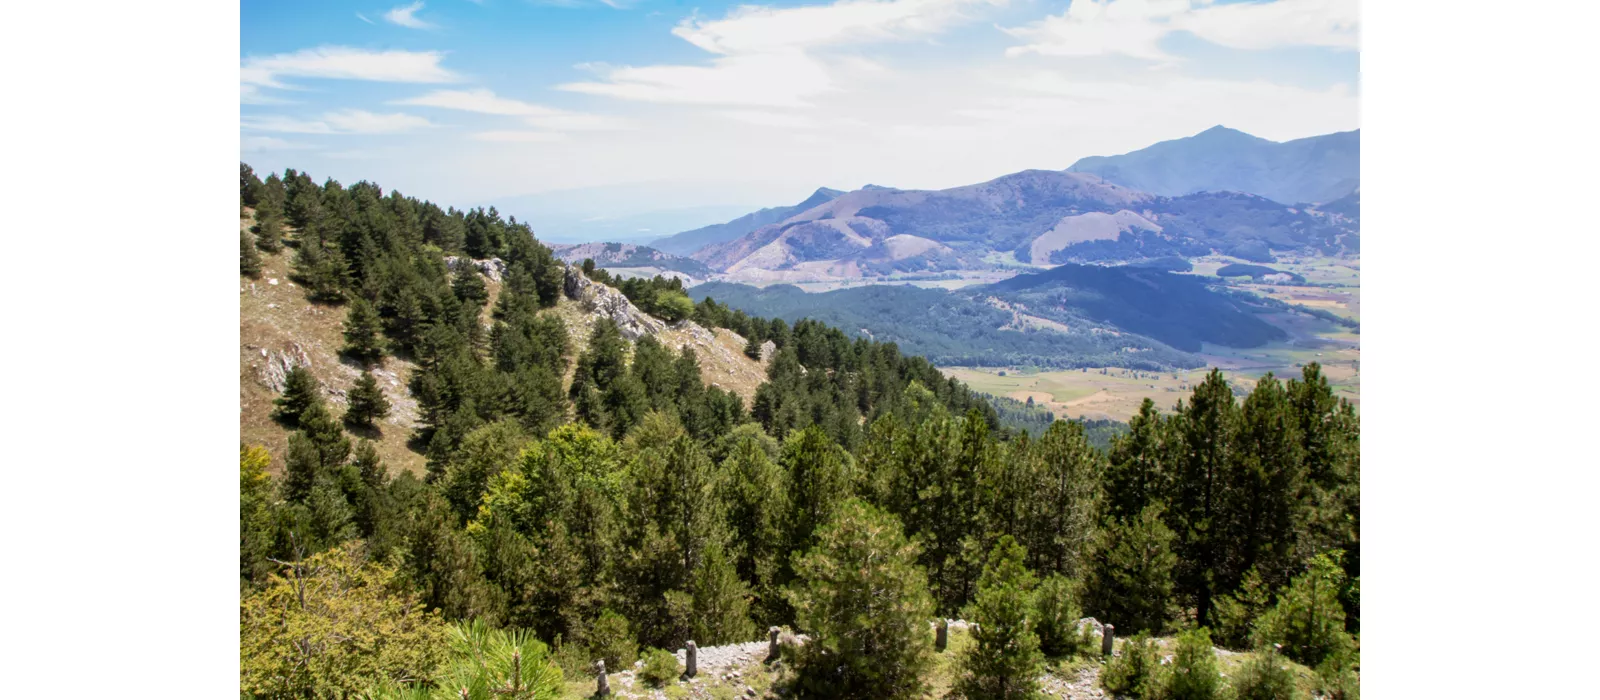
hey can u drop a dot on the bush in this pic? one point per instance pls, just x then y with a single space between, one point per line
1336 681
1308 619
660 667
1134 673
1194 674
611 641
492 663
1237 613
335 625
1056 614
1265 676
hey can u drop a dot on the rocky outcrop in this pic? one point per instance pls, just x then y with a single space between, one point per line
609 303
493 268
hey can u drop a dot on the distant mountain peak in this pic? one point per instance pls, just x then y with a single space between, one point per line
1314 169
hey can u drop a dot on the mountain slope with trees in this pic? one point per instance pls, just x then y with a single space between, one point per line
857 494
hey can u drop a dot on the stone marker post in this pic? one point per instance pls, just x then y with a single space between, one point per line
1108 635
941 635
603 686
772 642
689 664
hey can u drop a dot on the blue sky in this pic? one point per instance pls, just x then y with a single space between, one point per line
640 117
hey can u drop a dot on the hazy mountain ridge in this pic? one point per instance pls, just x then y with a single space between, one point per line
688 242
1314 169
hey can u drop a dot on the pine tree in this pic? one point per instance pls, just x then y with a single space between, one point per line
1193 674
249 260
367 403
268 228
818 476
1130 581
326 435
300 391
1140 465
369 465
468 285
865 603
249 186
1004 661
1197 510
1056 613
361 332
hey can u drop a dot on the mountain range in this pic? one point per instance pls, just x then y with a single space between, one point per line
690 241
1219 191
1315 169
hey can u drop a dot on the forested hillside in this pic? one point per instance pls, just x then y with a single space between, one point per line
592 500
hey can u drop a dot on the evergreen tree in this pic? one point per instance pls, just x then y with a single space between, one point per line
1061 498
1193 674
468 285
1207 426
818 476
865 603
300 391
1056 613
367 403
1004 661
249 186
1140 465
268 228
1308 620
1130 580
756 505
361 332
249 260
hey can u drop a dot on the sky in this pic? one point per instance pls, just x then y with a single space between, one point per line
628 119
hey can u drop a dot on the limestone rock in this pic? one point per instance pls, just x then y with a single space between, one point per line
609 303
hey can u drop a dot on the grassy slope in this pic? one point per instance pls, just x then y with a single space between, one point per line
277 322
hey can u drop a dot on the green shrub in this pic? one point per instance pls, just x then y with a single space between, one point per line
1308 619
1134 673
1004 660
494 663
1056 614
1236 614
660 667
1265 676
1194 674
611 640
1338 683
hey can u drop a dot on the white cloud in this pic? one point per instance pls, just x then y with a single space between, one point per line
269 143
764 80
407 16
766 55
346 63
1136 27
758 29
520 136
363 18
773 119
349 121
484 101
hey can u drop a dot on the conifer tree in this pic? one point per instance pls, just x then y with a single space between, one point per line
268 228
865 603
1207 428
1130 581
326 435
1004 661
249 260
361 332
1056 613
369 465
818 476
469 286
367 403
1140 465
249 186
300 391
